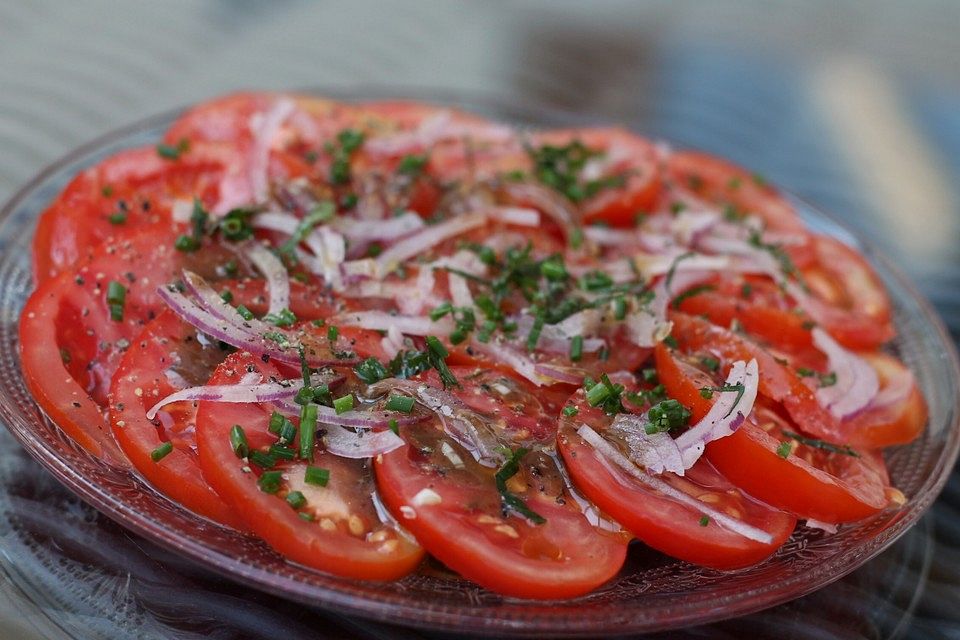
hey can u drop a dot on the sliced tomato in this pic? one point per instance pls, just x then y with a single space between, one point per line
662 522
127 194
852 302
777 382
897 415
452 506
625 157
166 357
809 482
336 529
721 182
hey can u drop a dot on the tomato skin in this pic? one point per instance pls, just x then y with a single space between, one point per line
140 382
631 155
894 424
451 532
667 526
723 182
791 483
269 516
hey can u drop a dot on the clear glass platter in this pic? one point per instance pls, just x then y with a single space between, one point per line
652 592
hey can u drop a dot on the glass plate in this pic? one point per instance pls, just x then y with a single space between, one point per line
652 592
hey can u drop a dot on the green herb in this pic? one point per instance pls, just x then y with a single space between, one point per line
781 256
281 452
65 356
262 460
403 404
738 388
436 356
371 371
198 219
238 441
509 500
673 267
570 411
173 151
671 342
296 499
245 313
235 225
306 516
554 270
605 394
746 290
394 426
649 375
282 318
534 336
704 521
412 165
576 348
349 140
323 212
116 298
710 363
161 452
668 415
275 336
343 404
333 333
308 429
784 449
106 191
828 379
226 295
822 444
316 476
269 481
119 217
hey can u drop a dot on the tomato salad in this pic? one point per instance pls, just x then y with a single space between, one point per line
369 332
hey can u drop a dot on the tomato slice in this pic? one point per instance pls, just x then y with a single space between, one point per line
128 194
166 357
853 304
809 482
724 183
898 414
451 504
697 336
661 521
626 157
336 529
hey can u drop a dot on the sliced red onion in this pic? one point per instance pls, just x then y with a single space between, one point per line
725 416
390 229
278 280
590 511
546 200
360 444
264 128
426 239
609 237
279 221
557 338
823 526
608 453
897 389
518 216
856 384
244 392
382 321
656 452
392 343
354 419
674 262
509 355
570 375
645 329
467 427
435 129
691 225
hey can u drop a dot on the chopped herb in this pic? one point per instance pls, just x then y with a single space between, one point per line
161 452
668 415
570 411
436 356
649 375
281 452
706 392
734 183
808 325
282 318
673 267
198 218
403 404
116 298
677 207
238 441
394 426
333 333
784 449
371 371
822 444
262 460
296 499
671 342
343 404
704 521
106 191
226 295
316 476
173 151
412 165
349 140
605 394
323 212
576 238
245 313
560 168
308 429
509 500
64 356
534 336
554 270
738 388
120 217
576 348
828 379
269 481
710 363
306 516
746 290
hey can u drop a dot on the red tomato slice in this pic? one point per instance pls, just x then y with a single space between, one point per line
809 482
451 504
343 536
629 156
722 182
899 413
136 189
778 383
856 308
660 521
163 359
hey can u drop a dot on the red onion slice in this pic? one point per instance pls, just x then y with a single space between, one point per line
391 229
278 281
609 453
546 200
264 127
725 416
569 375
435 129
426 239
856 381
360 444
518 216
513 357
355 419
656 452
383 321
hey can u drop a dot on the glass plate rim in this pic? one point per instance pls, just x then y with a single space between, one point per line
567 622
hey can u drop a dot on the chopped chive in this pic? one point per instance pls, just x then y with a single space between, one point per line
262 460
710 363
173 151
822 444
597 394
245 313
120 217
226 295
161 452
570 411
308 430
317 476
308 517
619 308
784 449
690 293
269 481
116 298
287 432
576 348
649 375
534 336
296 499
403 404
706 392
441 310
276 422
332 333
280 452
704 521
509 469
343 404
394 426
238 441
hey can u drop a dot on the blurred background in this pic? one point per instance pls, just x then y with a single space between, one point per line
854 106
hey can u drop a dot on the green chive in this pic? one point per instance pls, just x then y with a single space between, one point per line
280 452
576 348
276 422
296 499
245 313
394 426
161 452
441 310
704 521
343 404
119 217
784 449
317 476
262 460
570 411
227 296
597 394
619 308
308 430
238 441
332 333
269 481
303 515
116 297
403 404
